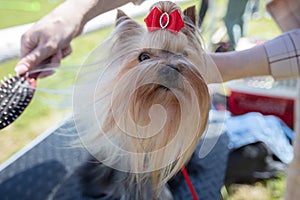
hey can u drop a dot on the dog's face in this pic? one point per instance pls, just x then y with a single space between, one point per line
155 106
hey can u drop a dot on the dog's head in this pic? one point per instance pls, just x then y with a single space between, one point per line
153 100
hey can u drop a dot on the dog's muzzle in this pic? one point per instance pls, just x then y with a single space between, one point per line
169 76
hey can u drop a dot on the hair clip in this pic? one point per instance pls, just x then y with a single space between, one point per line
157 19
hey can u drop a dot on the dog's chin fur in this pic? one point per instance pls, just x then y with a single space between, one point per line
154 108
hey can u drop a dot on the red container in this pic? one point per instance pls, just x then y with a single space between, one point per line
241 103
278 101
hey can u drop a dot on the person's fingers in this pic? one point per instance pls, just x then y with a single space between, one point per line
66 51
46 73
55 60
21 69
28 43
33 59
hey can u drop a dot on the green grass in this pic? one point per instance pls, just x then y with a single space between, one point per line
41 115
272 189
17 12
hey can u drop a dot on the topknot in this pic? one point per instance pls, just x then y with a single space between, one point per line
167 6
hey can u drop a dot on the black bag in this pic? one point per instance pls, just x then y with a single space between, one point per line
252 163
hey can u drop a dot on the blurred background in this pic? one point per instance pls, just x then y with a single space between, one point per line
43 113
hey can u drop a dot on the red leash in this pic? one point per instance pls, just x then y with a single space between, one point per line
189 183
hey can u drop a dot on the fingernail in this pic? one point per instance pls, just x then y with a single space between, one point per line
21 69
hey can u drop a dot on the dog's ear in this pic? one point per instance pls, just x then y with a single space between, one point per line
122 17
190 13
125 24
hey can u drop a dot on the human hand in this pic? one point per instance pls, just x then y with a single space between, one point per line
47 42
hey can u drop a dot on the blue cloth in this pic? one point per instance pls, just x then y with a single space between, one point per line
254 127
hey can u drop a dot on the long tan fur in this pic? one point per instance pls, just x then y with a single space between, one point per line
148 117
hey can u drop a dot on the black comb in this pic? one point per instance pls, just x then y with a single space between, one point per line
16 93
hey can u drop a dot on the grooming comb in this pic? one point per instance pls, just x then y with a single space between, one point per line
16 93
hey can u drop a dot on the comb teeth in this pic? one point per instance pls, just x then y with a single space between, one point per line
15 94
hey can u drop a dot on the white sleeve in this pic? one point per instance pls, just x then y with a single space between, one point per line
283 55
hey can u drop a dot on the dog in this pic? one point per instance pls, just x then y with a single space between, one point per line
148 107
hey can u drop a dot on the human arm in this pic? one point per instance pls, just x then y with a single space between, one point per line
285 13
48 40
279 57
239 64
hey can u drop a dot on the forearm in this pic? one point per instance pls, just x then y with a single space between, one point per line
93 8
76 13
85 10
241 64
279 58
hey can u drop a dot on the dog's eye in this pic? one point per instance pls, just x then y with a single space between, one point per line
143 56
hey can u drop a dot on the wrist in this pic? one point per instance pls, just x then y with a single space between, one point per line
75 11
88 9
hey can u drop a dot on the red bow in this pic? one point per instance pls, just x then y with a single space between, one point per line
156 19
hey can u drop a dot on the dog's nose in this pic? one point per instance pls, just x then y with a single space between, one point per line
173 67
169 75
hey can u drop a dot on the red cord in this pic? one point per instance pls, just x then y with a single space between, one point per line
189 183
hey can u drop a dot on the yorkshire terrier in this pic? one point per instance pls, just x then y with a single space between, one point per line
149 105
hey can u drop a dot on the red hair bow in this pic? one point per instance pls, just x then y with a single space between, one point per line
157 19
